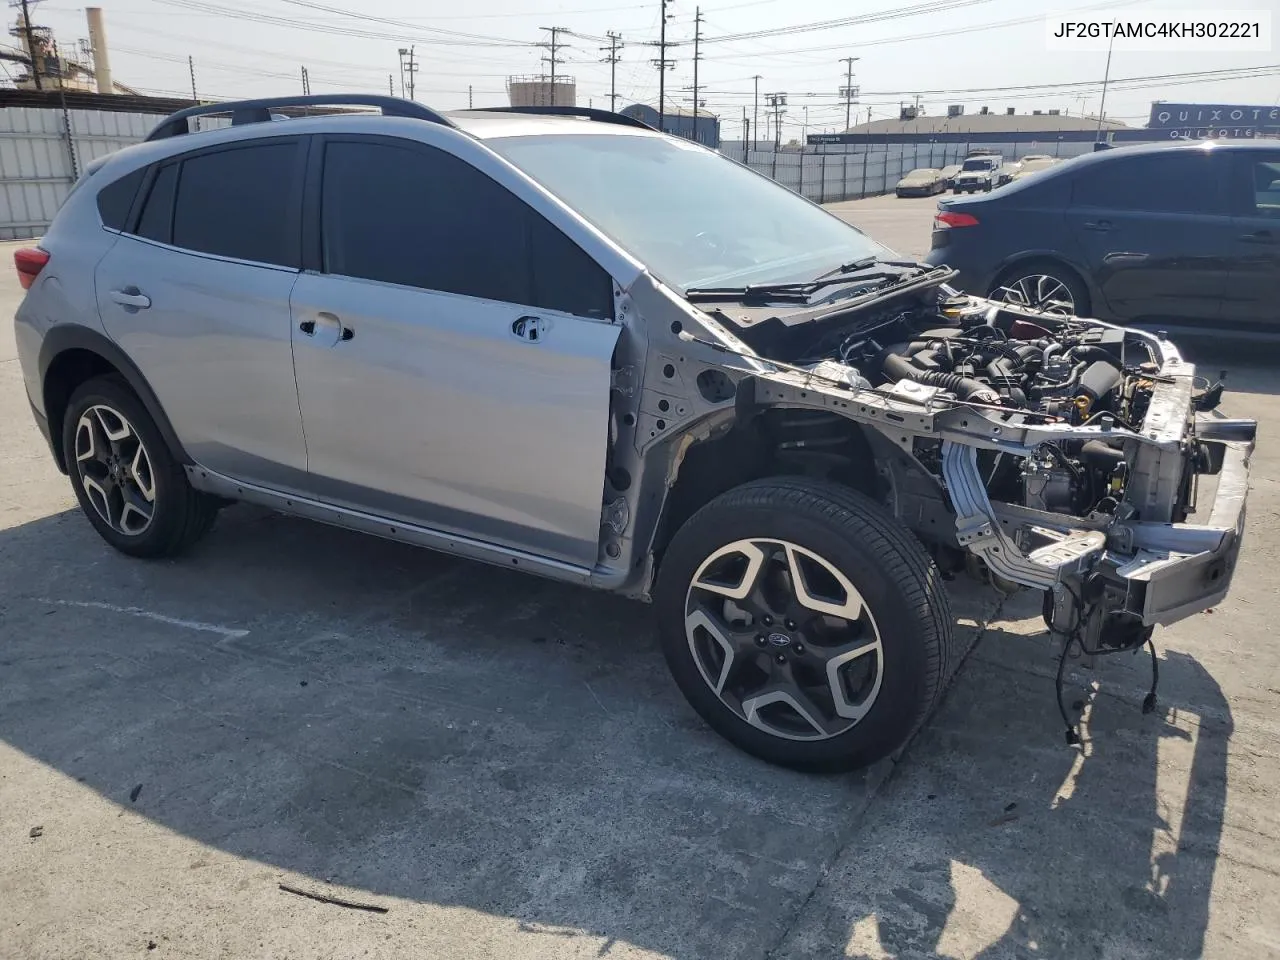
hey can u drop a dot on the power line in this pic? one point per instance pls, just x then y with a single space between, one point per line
754 56
929 7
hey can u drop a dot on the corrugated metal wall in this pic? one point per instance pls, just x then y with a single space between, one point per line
36 159
827 173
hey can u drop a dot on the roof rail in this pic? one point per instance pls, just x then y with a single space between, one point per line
586 113
259 111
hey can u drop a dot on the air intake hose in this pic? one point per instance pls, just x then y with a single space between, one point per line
966 388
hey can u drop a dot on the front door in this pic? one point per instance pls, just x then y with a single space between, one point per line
196 292
452 353
1252 299
1153 229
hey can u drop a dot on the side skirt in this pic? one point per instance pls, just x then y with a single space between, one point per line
209 482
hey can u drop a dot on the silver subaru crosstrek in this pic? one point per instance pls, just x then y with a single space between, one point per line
562 342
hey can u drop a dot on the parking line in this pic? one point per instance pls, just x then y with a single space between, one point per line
227 633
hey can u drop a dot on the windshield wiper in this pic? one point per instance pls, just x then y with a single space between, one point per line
868 269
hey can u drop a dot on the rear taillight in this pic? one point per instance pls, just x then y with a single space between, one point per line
29 261
946 219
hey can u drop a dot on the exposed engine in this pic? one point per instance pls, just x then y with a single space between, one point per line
1066 370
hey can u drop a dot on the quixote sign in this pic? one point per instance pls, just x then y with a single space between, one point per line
1202 121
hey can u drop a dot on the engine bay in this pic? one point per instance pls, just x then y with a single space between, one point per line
1053 370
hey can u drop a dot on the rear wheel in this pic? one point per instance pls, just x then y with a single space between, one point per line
804 623
1043 285
129 485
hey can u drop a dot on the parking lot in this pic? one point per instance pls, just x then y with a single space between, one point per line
501 766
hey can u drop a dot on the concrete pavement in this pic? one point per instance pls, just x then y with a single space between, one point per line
504 765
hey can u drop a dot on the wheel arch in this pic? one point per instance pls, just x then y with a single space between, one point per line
824 445
70 355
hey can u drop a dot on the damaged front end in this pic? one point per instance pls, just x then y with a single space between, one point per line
1065 455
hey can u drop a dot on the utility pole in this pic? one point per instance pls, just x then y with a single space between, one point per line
553 48
470 101
755 109
408 67
191 68
29 33
663 65
306 83
611 58
776 102
1106 76
697 37
391 84
848 91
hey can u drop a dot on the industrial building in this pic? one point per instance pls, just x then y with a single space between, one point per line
987 126
85 67
542 91
704 128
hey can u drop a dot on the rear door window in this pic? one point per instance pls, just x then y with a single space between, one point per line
1180 182
238 203
420 217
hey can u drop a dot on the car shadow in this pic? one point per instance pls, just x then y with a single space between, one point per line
413 726
997 840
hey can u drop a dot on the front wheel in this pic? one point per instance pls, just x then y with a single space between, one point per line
804 623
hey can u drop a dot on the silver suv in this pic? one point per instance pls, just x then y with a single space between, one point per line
562 342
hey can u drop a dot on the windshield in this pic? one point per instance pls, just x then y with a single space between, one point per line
982 163
692 217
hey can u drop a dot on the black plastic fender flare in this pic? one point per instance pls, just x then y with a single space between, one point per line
62 338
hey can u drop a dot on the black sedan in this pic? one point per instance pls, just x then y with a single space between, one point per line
1185 233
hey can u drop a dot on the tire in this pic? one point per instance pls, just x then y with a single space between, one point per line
127 481
1034 282
888 684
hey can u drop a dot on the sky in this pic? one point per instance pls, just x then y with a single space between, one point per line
949 51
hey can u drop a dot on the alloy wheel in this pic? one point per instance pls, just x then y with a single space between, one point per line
115 470
1041 292
783 639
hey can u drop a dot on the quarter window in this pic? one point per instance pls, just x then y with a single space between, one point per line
116 199
423 218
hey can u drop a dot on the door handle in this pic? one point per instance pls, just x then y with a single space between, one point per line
131 297
1101 226
329 321
1259 236
531 329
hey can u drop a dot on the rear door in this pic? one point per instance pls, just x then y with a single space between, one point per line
196 292
453 350
1253 288
1154 230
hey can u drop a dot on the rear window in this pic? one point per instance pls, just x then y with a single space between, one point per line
115 199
